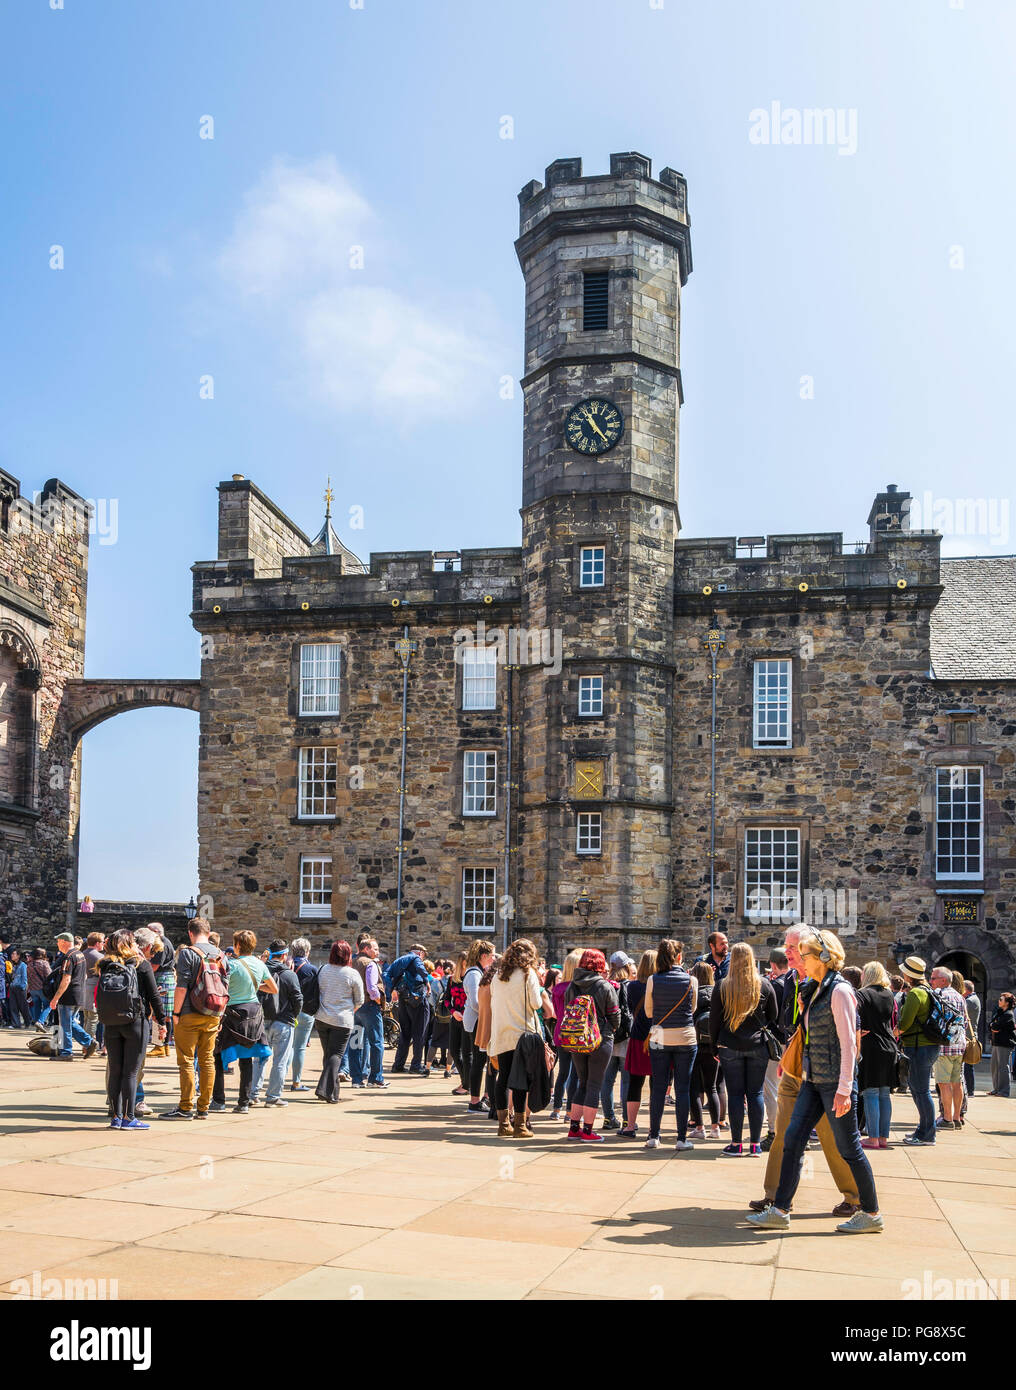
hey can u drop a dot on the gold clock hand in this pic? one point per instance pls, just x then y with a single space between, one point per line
595 426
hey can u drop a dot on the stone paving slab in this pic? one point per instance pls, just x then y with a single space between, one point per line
400 1195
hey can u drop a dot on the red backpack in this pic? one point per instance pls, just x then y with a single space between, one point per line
209 994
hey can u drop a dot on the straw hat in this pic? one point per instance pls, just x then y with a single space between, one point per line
914 967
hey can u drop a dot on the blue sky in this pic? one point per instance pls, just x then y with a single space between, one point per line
883 274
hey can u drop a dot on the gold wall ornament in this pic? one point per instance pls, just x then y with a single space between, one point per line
588 784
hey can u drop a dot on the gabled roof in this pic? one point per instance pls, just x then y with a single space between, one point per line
973 625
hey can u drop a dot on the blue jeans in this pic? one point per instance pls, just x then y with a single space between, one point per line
878 1110
744 1074
812 1103
610 1076
280 1039
664 1061
71 1031
40 1004
369 1031
922 1062
301 1037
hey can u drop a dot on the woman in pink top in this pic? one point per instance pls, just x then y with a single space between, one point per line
829 1020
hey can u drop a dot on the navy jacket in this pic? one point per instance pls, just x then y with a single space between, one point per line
409 976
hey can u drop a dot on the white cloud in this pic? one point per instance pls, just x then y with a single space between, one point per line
351 341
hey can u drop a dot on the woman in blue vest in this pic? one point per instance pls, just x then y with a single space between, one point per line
671 996
829 1020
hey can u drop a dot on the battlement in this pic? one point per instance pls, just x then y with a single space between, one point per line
395 581
816 560
628 197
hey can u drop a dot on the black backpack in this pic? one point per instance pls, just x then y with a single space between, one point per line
118 997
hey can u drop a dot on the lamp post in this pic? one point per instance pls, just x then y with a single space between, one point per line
405 649
191 911
900 951
584 906
714 642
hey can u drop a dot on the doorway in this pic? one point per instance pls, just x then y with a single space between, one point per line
971 967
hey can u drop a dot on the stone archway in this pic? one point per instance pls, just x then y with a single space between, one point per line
988 947
90 702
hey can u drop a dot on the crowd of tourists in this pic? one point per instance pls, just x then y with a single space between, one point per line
803 1046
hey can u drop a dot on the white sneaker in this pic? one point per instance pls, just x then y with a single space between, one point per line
697 1133
714 1131
682 1145
652 1143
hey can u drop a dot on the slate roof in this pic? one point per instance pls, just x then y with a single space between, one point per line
973 625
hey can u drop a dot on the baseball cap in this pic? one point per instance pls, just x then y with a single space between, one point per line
619 958
65 936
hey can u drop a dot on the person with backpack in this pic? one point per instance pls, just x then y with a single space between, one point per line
306 974
588 1023
706 1070
281 1012
163 958
949 1063
922 1042
199 1001
670 1001
68 998
876 1072
407 977
125 996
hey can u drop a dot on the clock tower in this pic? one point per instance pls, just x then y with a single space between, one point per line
604 258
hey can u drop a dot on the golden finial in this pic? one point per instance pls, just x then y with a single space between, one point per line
329 497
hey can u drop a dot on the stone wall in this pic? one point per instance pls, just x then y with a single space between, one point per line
43 579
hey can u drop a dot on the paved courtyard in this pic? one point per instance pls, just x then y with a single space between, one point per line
399 1195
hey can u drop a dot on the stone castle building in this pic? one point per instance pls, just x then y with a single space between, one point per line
526 739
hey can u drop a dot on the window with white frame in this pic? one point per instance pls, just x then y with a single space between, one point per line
772 717
772 873
319 771
590 695
316 886
479 784
479 678
592 567
320 669
479 899
589 832
959 840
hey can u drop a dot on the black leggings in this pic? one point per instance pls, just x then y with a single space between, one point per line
635 1084
590 1069
455 1048
703 1078
477 1062
333 1045
519 1098
245 1066
125 1049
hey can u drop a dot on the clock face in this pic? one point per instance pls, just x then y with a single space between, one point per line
593 426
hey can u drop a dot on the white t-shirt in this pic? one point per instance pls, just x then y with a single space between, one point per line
513 1003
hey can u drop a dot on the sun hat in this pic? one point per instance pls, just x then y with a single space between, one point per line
914 967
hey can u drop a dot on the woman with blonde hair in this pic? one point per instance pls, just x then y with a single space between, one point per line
742 1010
636 1055
516 997
829 1053
876 1074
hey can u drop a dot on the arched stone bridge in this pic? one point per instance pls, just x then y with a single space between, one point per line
90 702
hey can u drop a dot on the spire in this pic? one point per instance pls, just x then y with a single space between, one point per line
326 542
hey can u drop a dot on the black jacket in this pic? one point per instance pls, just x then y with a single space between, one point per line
242 1026
1003 1028
608 1013
748 1034
529 1070
288 1003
